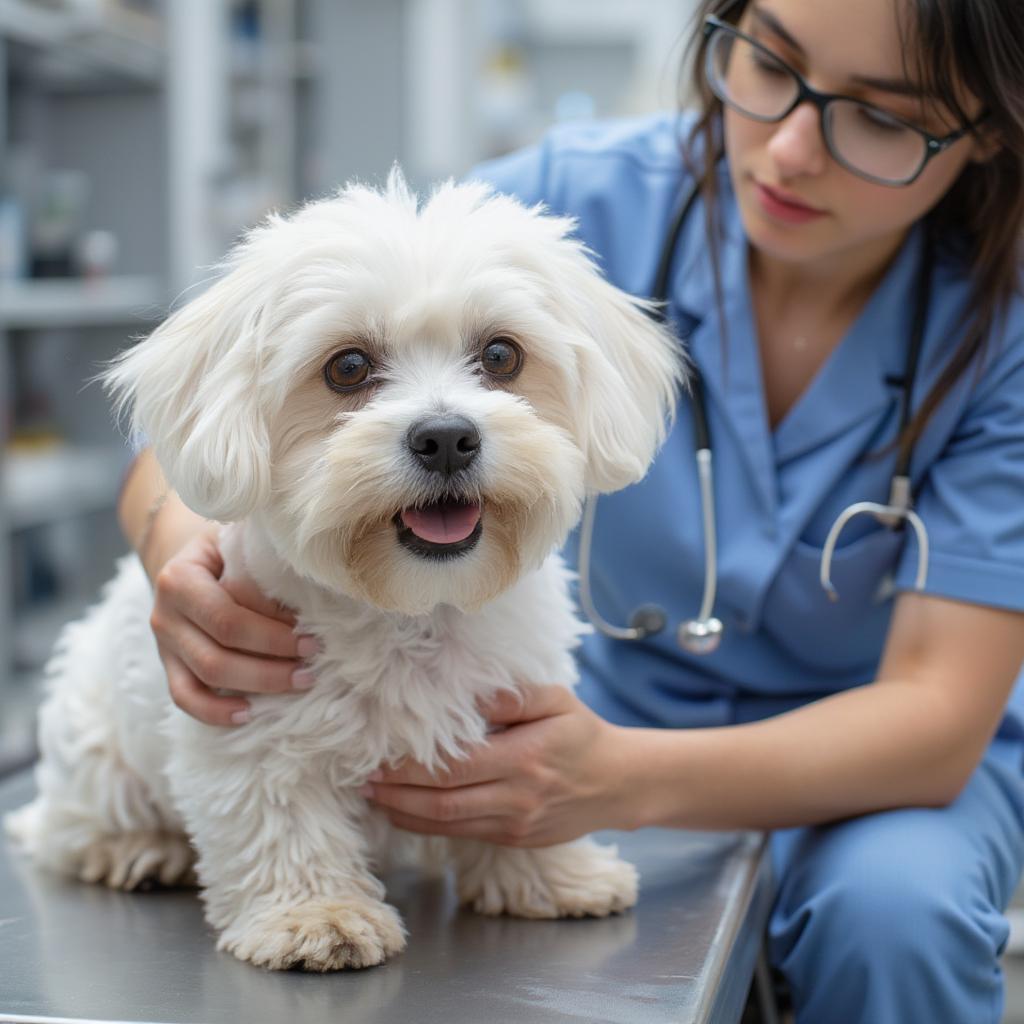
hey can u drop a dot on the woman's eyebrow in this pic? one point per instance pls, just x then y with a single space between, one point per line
897 86
773 25
900 86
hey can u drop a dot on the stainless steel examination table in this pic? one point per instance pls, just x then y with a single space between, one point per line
686 953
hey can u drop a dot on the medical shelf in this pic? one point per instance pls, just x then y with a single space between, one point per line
146 110
55 303
79 42
60 482
299 61
82 87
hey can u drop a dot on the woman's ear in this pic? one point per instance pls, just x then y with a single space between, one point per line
631 367
192 387
987 145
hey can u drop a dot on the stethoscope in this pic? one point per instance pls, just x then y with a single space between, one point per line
703 634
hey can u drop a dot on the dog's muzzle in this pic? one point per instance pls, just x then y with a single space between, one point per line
445 445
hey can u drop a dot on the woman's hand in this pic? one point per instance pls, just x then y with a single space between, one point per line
212 632
557 772
219 633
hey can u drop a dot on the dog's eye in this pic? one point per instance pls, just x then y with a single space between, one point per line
347 370
502 357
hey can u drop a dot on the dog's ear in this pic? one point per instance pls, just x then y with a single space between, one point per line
631 367
192 387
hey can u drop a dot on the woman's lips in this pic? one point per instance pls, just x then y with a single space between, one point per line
781 206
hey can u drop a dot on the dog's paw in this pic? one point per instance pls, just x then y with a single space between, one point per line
138 860
573 880
318 935
22 825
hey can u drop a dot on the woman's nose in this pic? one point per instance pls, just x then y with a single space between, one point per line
796 145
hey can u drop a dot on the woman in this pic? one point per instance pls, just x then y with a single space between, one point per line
877 735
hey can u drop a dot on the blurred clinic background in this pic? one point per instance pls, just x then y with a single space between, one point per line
139 137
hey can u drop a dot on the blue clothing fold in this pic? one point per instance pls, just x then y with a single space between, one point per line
894 917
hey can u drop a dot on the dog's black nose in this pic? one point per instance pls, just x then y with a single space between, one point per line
444 444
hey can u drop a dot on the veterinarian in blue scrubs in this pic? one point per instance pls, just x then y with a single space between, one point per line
879 736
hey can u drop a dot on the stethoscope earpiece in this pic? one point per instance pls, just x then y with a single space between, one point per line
892 516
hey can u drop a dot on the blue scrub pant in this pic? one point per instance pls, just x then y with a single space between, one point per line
896 917
889 918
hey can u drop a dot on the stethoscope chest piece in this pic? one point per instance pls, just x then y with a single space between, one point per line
700 636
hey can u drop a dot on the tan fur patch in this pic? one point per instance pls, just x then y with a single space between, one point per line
578 879
326 935
127 860
542 383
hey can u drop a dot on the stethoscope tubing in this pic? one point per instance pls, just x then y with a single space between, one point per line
703 634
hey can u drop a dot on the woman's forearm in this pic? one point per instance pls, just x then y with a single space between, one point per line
884 745
153 519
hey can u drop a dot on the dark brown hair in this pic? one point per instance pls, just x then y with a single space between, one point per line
955 44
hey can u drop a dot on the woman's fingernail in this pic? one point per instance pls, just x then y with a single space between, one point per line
308 646
241 717
377 776
366 790
302 679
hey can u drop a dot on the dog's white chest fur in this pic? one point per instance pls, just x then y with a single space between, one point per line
391 685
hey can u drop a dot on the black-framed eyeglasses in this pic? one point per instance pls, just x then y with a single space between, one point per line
868 141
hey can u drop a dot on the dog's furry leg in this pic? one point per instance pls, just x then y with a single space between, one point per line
69 839
102 812
282 856
95 820
578 879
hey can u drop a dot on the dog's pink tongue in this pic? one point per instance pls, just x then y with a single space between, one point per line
447 522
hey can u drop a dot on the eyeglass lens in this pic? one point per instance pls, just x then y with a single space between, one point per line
753 82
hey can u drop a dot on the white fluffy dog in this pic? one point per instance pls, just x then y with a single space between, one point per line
398 411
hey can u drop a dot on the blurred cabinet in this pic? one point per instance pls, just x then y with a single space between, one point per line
483 77
137 140
81 266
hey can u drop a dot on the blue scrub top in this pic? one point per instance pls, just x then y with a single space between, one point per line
778 491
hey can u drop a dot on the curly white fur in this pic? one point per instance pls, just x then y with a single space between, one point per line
231 393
